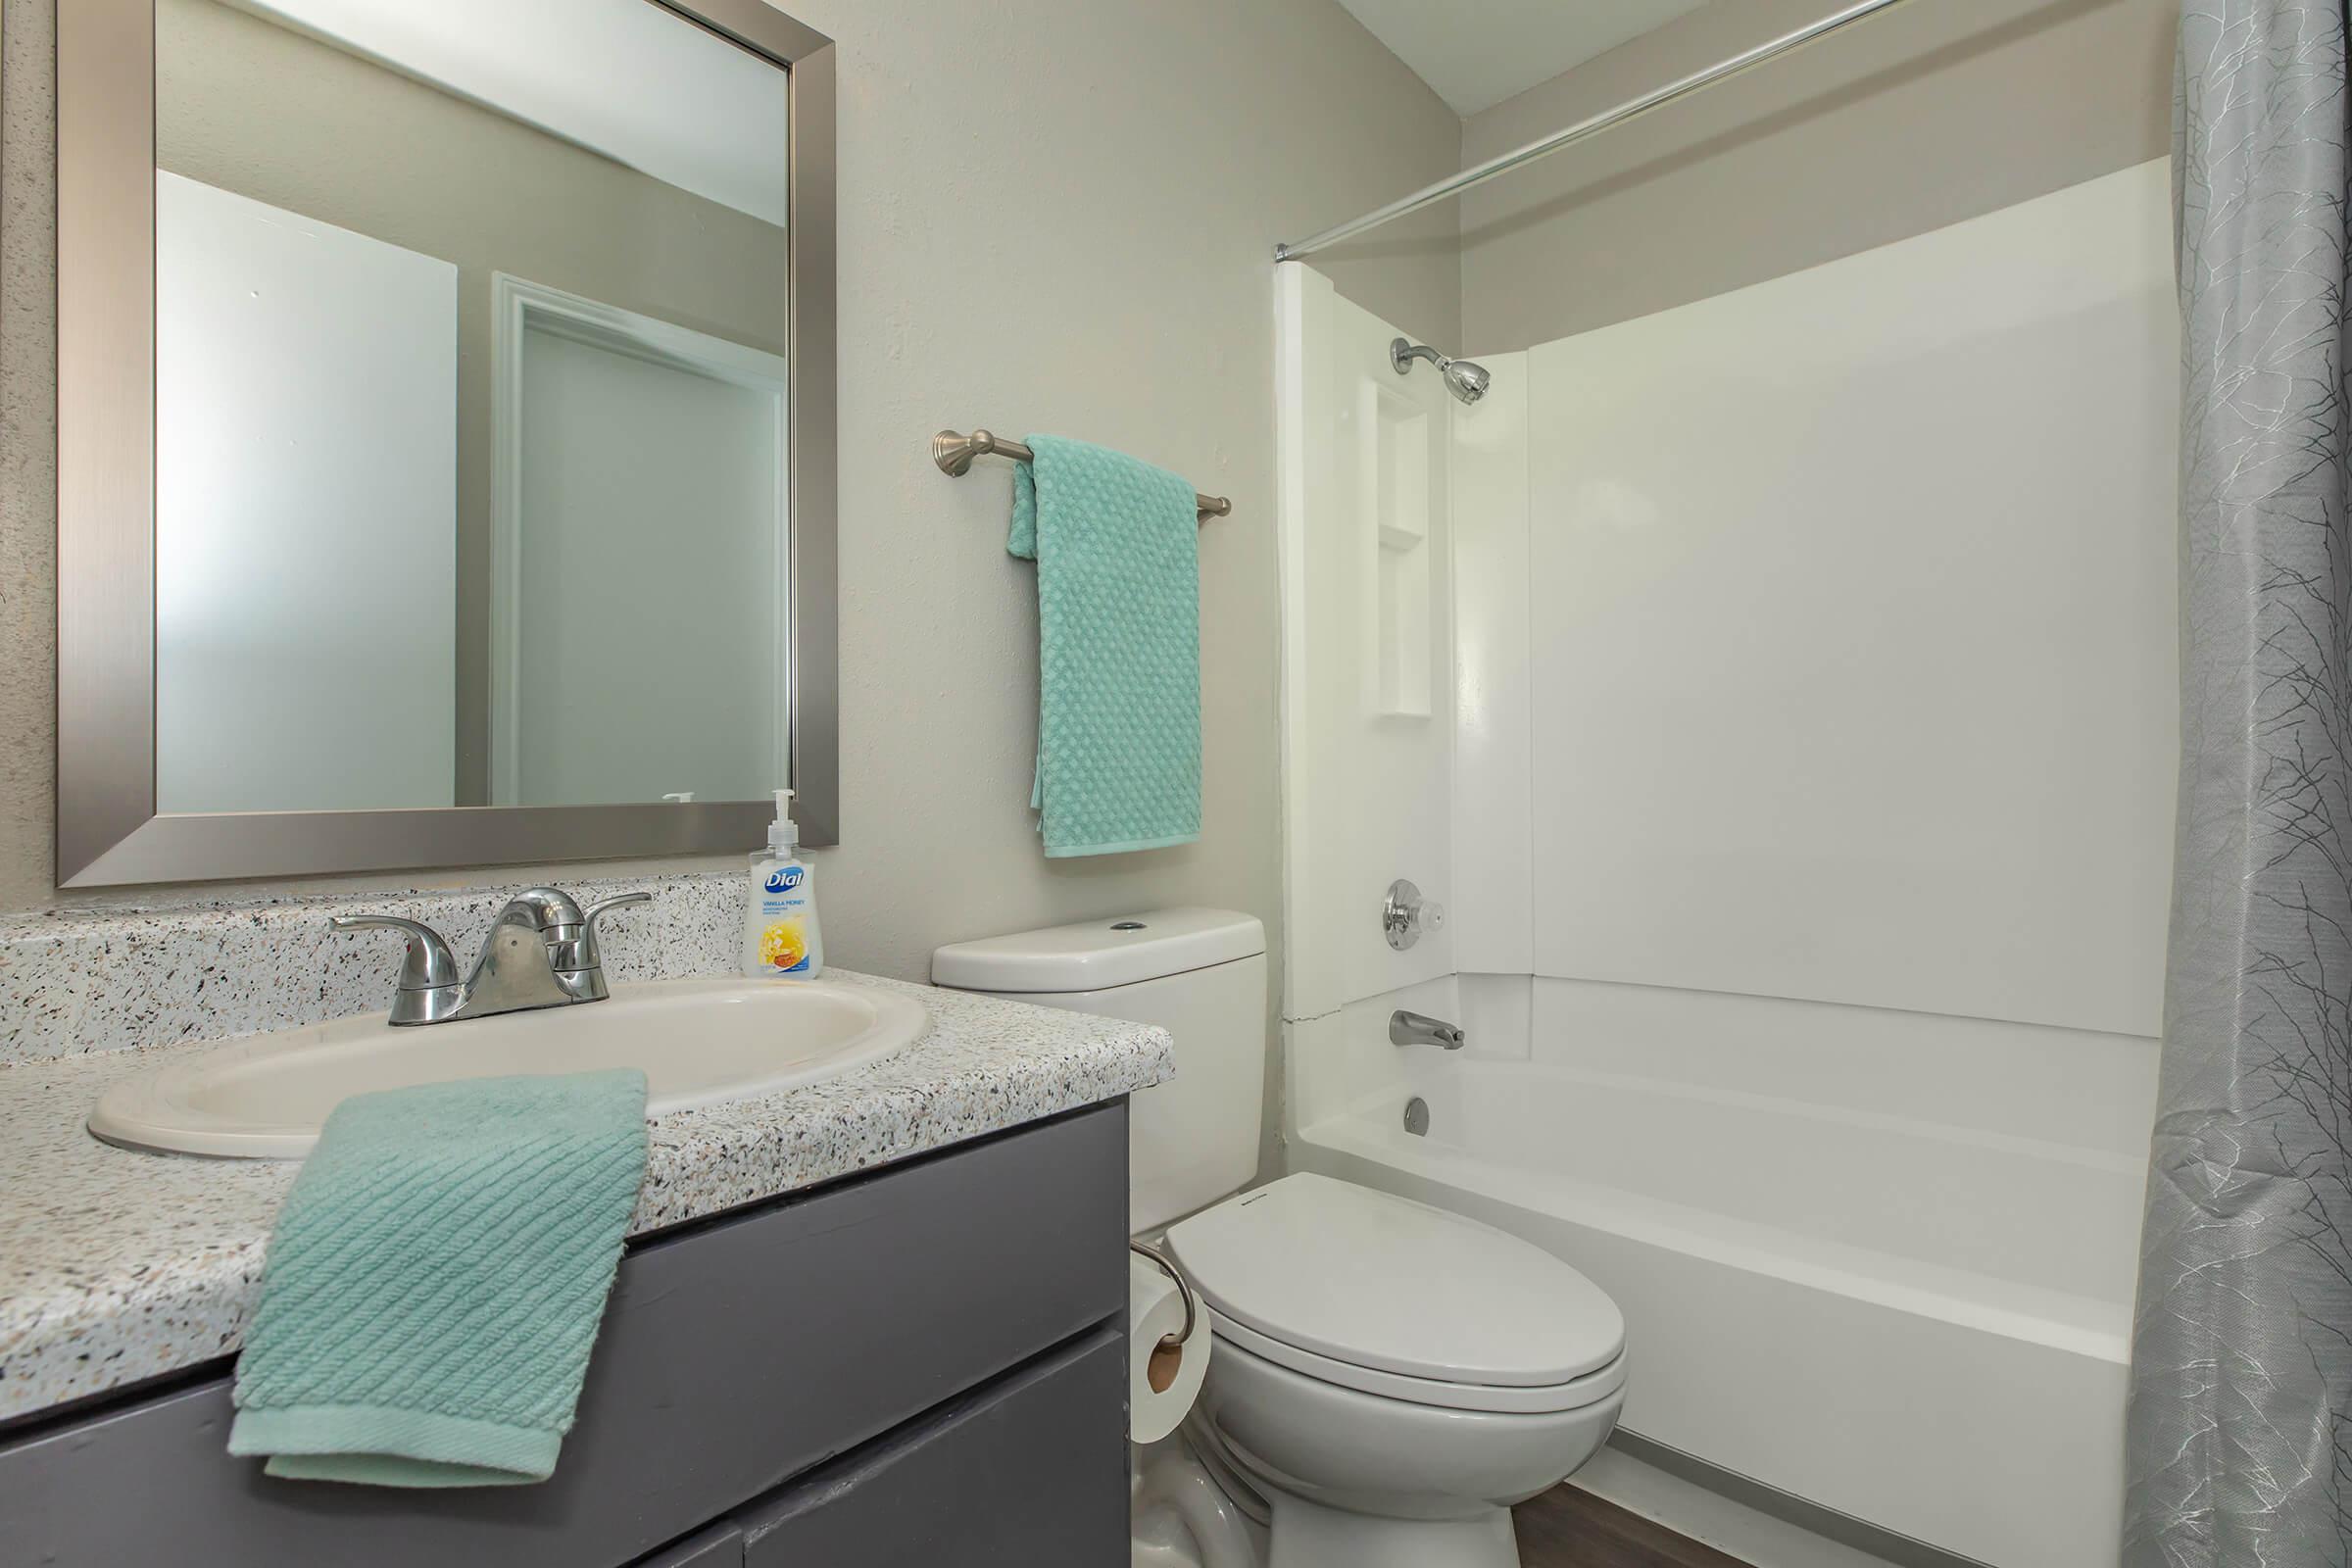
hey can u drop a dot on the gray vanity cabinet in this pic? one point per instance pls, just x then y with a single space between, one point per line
922 1364
1007 1477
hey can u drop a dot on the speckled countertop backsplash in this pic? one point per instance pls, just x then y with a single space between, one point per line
114 979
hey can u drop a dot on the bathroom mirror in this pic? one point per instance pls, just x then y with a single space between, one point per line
445 408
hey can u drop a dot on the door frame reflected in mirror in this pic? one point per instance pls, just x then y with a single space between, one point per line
109 833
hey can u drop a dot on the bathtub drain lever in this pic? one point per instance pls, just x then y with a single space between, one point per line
1420 1029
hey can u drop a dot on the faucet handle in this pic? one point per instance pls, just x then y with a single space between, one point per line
425 964
579 950
428 972
601 905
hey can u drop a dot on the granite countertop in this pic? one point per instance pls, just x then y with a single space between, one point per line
117 1266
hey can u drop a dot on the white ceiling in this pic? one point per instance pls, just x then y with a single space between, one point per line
1475 56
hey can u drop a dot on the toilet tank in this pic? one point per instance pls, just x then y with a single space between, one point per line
1200 974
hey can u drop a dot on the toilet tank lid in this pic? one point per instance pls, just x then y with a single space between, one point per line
1118 950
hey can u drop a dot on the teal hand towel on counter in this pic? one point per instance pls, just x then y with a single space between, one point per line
1118 620
436 1278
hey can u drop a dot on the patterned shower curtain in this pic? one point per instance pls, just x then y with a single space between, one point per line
2239 1449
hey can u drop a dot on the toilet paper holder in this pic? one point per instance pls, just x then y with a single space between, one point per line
1184 1289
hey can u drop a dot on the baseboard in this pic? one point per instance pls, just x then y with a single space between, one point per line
1860 1535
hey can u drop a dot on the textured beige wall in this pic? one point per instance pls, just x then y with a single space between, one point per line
1055 215
1934 112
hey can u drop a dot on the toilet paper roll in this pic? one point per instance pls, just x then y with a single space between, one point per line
1162 1384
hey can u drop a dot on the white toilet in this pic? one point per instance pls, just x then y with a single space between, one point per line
1388 1377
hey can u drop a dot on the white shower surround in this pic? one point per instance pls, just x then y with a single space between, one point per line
1808 829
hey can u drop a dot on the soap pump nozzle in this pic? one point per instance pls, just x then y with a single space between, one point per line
783 834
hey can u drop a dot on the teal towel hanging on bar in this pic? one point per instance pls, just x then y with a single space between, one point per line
1118 548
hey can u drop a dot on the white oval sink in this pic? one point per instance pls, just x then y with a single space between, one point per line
700 1041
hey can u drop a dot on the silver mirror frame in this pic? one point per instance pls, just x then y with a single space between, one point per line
108 832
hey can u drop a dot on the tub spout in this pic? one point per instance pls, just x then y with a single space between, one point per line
1420 1029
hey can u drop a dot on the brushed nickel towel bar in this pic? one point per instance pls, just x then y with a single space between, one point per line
955 453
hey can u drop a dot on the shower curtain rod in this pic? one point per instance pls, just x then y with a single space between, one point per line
1503 164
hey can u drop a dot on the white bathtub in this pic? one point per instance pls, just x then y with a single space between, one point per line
1917 1322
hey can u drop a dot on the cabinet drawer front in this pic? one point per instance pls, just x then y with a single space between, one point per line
1030 1472
734 1356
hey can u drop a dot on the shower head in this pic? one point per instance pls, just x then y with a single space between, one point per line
1463 379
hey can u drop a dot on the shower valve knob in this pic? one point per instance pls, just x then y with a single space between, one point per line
1407 914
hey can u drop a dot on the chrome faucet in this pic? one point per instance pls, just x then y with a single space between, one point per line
1420 1029
541 952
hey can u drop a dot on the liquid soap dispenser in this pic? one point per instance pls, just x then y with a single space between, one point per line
781 937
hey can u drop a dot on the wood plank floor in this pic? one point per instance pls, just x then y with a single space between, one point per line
1568 1528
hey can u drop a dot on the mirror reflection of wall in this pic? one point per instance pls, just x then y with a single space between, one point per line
472 472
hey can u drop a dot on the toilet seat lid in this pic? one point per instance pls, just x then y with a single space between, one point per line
1379 1281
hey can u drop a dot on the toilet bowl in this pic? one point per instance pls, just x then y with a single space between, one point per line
1390 1378
1385 1379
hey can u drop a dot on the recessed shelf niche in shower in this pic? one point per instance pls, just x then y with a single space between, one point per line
1395 432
